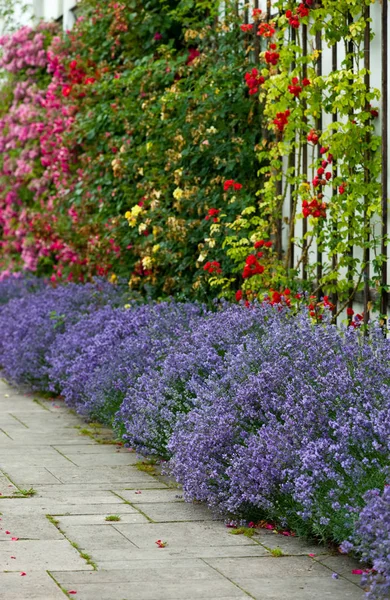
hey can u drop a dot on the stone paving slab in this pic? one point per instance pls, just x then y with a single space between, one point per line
18 464
40 555
114 475
78 482
283 578
344 565
291 545
121 490
45 507
153 579
154 496
194 590
100 519
22 526
35 585
7 488
111 459
112 560
182 535
27 477
167 512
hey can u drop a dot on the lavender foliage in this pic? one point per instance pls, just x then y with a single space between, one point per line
294 426
30 324
261 414
372 542
18 285
170 388
99 359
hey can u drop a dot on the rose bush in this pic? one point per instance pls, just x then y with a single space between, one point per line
115 154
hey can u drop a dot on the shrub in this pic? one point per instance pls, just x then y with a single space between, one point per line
121 345
15 285
167 390
30 324
292 427
373 542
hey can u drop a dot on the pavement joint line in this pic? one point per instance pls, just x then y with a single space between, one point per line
84 555
133 506
40 403
124 536
228 578
154 489
315 559
59 480
19 420
64 455
5 433
11 480
63 590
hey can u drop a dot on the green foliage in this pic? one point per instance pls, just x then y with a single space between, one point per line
167 123
351 197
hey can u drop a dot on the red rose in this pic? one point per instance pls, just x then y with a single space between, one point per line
66 90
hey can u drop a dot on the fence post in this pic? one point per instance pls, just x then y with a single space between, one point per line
319 128
334 191
384 293
304 161
350 251
366 254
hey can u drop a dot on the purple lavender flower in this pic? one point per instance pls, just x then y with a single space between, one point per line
371 540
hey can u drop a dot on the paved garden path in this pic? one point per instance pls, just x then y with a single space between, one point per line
58 541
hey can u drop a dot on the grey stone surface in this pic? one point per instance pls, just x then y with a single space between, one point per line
27 477
45 507
26 528
112 459
290 545
194 590
77 448
154 579
113 560
286 578
73 474
182 535
344 565
100 519
35 585
143 496
40 555
7 488
166 512
78 482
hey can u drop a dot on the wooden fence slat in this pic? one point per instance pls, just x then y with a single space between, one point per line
334 175
384 26
366 253
304 162
319 128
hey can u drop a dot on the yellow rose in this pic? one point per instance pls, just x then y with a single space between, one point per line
147 262
178 193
